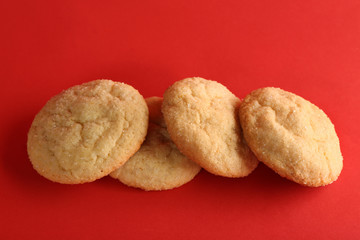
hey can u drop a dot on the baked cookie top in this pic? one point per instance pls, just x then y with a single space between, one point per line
155 114
202 119
87 131
158 165
292 136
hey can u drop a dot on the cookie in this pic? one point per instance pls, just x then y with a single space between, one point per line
292 136
158 165
87 131
202 119
155 114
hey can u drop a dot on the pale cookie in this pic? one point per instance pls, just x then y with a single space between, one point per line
87 131
158 165
201 117
155 114
292 136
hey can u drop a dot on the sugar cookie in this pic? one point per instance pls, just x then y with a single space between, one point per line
155 114
201 117
87 131
292 136
158 165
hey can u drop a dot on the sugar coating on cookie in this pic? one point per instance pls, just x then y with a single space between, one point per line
202 119
87 131
292 136
158 165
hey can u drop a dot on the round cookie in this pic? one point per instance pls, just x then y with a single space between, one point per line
201 117
158 165
155 114
292 136
87 131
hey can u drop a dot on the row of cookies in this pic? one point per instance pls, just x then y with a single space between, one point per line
97 128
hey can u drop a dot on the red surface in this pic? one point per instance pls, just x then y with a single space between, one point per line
311 48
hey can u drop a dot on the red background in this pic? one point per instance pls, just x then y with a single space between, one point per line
311 48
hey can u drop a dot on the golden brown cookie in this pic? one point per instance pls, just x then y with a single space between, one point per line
158 165
202 119
87 131
292 136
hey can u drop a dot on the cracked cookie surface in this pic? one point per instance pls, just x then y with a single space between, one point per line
87 131
292 136
202 119
158 165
